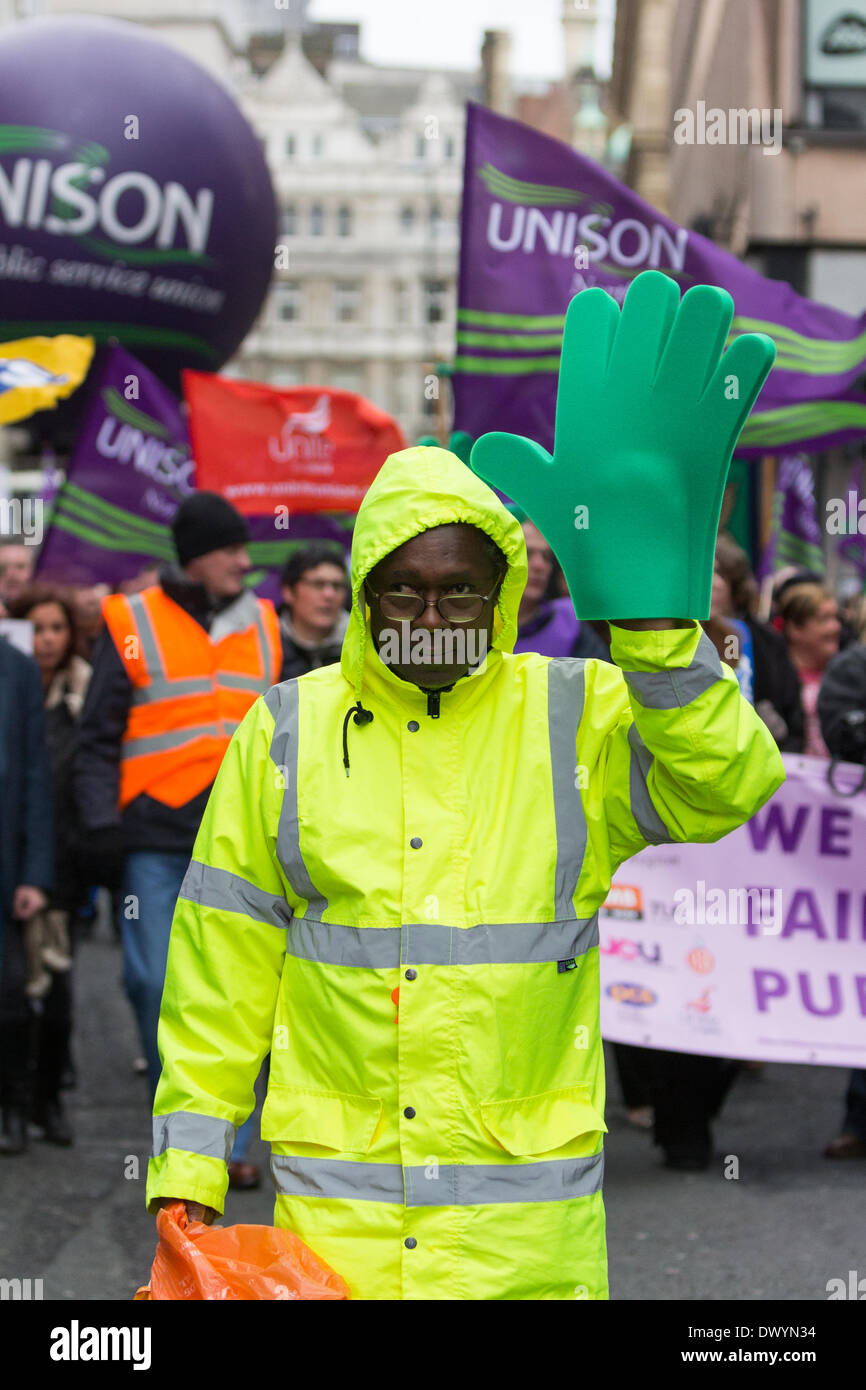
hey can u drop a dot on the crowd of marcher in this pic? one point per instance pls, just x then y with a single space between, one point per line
112 733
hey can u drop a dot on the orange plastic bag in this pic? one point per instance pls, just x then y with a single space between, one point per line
195 1261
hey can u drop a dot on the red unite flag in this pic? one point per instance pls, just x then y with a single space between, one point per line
309 448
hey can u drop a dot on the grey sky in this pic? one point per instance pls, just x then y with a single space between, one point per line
429 33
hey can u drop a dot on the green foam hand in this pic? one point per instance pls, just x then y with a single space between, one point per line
460 443
649 408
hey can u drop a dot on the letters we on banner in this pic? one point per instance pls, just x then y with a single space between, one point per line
750 947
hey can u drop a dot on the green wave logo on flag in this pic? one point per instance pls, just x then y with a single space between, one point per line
542 222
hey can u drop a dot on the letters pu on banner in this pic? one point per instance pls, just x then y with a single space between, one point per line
752 947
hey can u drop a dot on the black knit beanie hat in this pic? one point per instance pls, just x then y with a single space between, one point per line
205 522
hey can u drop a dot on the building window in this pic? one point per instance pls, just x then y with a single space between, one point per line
407 219
287 376
450 147
401 301
420 147
401 387
435 220
435 300
347 301
317 220
347 378
288 300
346 46
318 146
291 146
289 220
344 221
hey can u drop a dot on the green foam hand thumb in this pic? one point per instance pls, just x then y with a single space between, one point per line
648 412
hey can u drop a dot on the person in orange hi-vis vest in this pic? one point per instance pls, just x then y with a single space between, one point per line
175 670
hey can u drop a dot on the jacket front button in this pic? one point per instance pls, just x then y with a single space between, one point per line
416 842
410 1242
409 1112
413 726
411 974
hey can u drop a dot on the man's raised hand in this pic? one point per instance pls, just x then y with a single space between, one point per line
649 409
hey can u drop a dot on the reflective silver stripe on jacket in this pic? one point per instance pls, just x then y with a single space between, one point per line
243 613
282 701
229 892
264 646
149 649
649 822
239 680
163 688
174 738
681 684
565 697
445 1185
384 948
197 1134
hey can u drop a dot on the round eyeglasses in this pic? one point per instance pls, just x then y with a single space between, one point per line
454 608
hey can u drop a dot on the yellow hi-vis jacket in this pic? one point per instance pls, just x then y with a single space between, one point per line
416 943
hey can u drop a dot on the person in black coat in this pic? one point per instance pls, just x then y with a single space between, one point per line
26 873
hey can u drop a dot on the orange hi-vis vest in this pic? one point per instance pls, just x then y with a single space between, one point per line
190 688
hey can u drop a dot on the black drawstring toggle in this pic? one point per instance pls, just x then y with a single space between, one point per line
361 716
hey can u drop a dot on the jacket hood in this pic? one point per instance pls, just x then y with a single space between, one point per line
413 491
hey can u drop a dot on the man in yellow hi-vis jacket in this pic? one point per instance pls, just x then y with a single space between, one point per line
395 890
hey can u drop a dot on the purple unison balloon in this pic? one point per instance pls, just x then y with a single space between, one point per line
135 201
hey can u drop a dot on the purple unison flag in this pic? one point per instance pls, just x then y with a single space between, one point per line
131 468
795 535
541 223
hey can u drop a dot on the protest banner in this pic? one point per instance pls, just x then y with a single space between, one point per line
755 946
795 535
542 222
308 448
131 468
37 373
136 204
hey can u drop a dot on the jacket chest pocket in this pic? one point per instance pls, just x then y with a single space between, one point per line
336 1120
563 1123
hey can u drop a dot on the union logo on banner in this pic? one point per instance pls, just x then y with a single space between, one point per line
305 449
624 901
701 960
